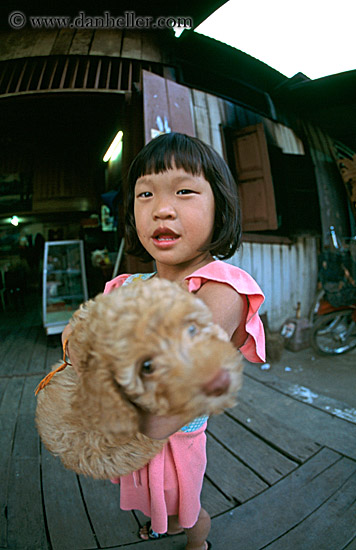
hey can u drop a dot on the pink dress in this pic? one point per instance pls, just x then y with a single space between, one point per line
171 483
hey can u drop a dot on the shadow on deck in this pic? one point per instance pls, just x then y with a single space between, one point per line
281 472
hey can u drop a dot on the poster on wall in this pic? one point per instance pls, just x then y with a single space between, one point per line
15 192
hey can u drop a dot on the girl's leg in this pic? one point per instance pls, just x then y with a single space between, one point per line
174 528
198 534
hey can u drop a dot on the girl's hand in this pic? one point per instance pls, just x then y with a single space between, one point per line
72 358
159 427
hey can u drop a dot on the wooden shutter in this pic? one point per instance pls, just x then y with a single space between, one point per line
254 179
167 107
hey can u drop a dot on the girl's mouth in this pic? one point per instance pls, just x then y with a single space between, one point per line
164 236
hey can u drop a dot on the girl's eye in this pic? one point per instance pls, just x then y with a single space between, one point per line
145 194
185 192
147 367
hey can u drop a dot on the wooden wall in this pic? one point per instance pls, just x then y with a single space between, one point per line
142 45
332 194
287 273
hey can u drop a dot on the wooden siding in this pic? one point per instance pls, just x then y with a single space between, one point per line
332 194
287 275
166 106
113 43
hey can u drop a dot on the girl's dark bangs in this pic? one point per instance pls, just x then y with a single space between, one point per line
180 155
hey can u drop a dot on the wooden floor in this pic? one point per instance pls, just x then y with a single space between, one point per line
281 472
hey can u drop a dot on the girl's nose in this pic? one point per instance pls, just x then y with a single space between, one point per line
164 211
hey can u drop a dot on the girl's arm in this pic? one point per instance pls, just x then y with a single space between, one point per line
229 309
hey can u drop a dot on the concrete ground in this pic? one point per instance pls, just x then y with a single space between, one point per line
330 376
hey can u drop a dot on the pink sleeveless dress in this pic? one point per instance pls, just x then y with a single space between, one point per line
171 483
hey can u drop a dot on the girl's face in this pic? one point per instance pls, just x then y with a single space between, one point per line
174 215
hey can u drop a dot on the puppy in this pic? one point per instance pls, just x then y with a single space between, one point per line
151 345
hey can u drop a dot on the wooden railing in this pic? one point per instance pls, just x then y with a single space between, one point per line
62 73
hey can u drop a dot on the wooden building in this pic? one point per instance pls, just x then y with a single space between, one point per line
65 93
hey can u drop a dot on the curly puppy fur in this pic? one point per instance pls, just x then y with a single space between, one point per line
149 344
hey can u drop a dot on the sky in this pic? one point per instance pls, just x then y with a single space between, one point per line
314 37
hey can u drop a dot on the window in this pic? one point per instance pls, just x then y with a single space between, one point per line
254 178
276 180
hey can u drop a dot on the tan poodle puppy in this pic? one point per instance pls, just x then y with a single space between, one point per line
149 344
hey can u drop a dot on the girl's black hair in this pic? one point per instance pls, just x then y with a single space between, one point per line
197 158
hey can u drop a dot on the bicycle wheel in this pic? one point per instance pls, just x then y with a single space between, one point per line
334 333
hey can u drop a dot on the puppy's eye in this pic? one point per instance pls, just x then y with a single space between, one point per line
147 367
192 330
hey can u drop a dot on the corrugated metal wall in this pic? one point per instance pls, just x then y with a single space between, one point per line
287 275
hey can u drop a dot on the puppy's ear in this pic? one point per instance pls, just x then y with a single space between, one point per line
100 400
81 337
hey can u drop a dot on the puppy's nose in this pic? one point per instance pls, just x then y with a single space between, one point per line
217 385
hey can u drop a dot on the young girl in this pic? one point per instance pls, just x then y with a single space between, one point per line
183 212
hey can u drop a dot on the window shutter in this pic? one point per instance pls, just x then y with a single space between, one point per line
166 106
254 179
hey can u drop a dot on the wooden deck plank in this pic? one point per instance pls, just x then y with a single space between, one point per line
234 479
112 526
8 418
318 426
3 385
286 504
6 336
303 394
68 524
28 398
7 429
19 356
266 462
213 500
12 396
24 510
26 439
351 545
25 349
292 443
169 543
333 525
38 359
7 345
